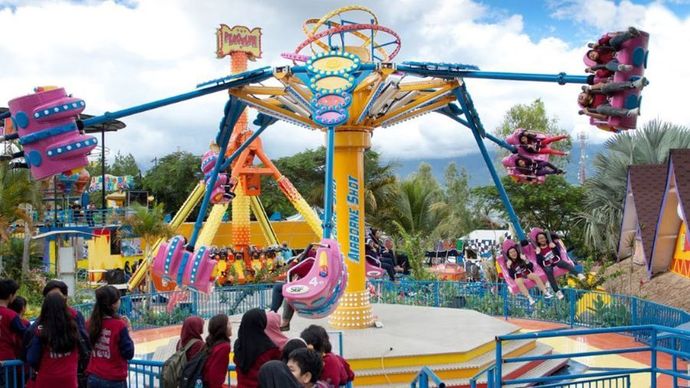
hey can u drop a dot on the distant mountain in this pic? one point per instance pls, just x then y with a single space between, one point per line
479 174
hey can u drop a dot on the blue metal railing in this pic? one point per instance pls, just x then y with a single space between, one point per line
579 308
423 377
653 331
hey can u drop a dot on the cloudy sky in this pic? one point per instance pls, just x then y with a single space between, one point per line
115 54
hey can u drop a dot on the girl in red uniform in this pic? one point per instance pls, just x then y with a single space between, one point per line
253 348
336 371
54 349
192 328
110 341
215 371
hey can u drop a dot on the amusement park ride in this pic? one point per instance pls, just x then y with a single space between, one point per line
341 81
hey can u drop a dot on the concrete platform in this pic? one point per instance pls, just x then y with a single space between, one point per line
416 331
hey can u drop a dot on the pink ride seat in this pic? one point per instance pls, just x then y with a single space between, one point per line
373 268
562 251
197 272
512 286
167 262
325 273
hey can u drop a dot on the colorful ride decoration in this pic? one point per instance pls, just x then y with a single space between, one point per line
632 52
46 122
331 81
71 184
316 295
223 189
531 255
321 33
112 183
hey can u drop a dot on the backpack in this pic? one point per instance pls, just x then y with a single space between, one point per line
193 370
174 365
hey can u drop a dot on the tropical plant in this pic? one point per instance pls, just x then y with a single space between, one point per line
19 196
147 224
172 178
413 206
605 191
457 219
414 245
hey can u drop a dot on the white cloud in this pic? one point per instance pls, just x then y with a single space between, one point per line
116 56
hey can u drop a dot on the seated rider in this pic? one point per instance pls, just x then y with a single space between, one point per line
548 257
277 298
530 167
398 260
607 69
594 100
373 249
604 51
533 144
519 269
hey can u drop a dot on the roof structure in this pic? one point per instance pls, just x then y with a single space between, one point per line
645 190
674 208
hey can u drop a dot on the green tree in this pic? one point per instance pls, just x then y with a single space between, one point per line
457 217
126 165
172 179
147 224
306 172
603 203
534 118
19 196
413 207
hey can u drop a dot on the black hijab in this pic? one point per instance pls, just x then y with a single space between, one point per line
252 341
275 374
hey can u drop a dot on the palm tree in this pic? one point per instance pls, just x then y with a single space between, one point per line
413 210
18 194
147 224
605 191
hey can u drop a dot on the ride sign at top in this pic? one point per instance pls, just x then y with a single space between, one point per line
238 38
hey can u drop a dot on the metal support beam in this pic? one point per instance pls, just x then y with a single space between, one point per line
329 191
461 94
233 110
254 76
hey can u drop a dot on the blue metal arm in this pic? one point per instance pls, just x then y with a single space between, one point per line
500 142
243 146
328 192
253 76
474 124
233 110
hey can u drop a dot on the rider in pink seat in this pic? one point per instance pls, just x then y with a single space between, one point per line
519 269
535 144
604 51
548 257
527 166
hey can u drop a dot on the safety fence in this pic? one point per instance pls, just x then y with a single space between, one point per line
142 373
662 341
583 308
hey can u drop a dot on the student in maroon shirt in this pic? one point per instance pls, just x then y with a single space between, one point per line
253 348
192 328
18 305
215 371
110 341
334 373
54 348
11 325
